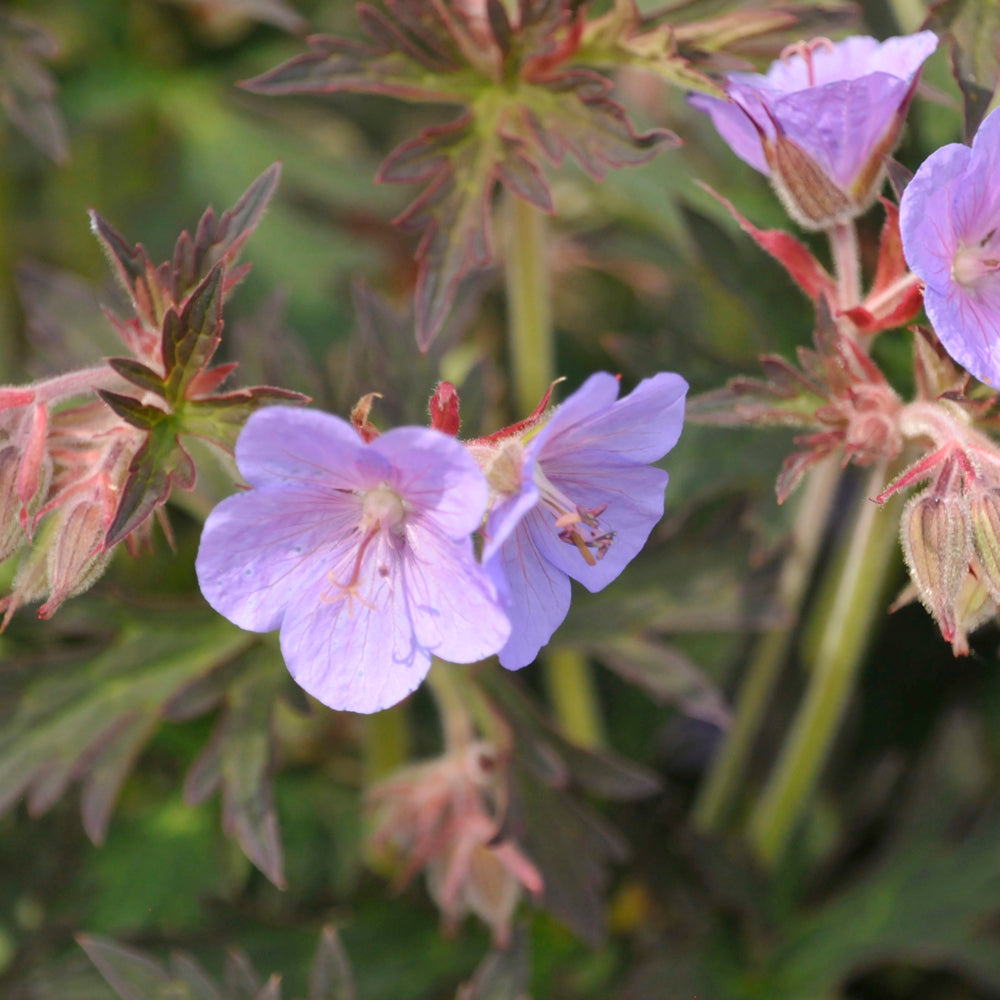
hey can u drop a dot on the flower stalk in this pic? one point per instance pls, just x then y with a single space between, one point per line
846 625
716 798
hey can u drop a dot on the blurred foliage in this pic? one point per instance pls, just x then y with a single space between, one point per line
151 705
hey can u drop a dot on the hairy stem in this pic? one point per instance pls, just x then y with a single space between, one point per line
847 264
717 795
532 354
845 626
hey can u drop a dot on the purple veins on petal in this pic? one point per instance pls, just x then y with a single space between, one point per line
582 503
360 553
950 227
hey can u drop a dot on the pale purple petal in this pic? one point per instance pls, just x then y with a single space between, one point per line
538 594
852 58
976 209
926 220
360 552
634 498
840 106
259 548
590 462
358 652
949 223
842 124
456 614
507 513
968 325
735 123
438 474
288 445
642 426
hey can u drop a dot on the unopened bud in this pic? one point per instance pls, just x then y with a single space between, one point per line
810 195
936 543
444 409
76 553
11 533
16 518
973 607
984 511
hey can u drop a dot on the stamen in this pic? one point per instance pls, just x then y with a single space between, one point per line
805 50
351 589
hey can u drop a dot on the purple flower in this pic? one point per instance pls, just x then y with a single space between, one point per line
360 553
575 497
950 223
821 120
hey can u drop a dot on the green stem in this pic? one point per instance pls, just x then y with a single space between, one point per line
386 744
717 795
846 624
456 721
532 347
532 358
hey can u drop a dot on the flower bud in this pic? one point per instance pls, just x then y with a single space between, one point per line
11 533
937 546
984 510
76 554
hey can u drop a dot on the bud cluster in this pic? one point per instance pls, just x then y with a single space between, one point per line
950 531
445 817
87 457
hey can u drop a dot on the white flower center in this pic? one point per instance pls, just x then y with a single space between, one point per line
972 265
383 512
382 508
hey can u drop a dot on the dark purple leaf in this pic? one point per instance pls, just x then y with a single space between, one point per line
574 115
191 338
337 64
141 415
460 165
27 89
138 374
159 465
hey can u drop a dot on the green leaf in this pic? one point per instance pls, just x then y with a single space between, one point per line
220 419
131 974
240 758
504 974
134 269
617 39
89 721
972 28
331 977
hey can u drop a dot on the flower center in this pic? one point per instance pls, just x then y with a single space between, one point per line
972 265
576 525
383 512
382 509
